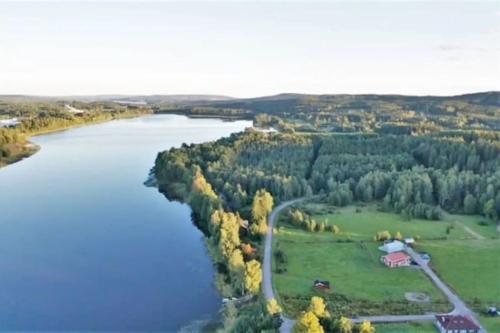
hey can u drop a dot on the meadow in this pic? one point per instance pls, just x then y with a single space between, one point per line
471 268
419 327
363 222
361 285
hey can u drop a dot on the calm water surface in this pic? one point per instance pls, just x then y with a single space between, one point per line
84 245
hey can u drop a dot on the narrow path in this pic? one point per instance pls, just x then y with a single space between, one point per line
470 231
267 284
394 318
460 308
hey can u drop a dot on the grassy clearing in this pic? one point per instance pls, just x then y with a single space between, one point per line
473 222
491 324
362 223
466 258
470 267
353 269
419 327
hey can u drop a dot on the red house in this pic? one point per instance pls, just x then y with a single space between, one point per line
456 324
324 285
396 259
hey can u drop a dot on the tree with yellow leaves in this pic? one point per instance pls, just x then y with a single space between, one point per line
273 307
201 185
237 270
262 205
318 307
229 234
259 228
308 323
345 325
253 276
366 327
383 235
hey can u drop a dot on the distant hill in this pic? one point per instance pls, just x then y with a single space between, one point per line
491 98
132 99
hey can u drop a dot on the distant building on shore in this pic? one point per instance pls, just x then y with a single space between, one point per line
9 123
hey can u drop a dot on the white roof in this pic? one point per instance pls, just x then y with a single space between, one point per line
393 246
9 122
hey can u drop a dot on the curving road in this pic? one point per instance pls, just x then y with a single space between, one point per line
460 308
267 284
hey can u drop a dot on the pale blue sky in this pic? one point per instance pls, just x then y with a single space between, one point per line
250 48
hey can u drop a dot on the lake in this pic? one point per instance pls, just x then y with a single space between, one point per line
84 245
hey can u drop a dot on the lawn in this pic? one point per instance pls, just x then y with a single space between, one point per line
420 327
472 222
491 324
367 221
471 268
466 259
353 269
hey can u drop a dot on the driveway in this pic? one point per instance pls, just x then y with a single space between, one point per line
460 308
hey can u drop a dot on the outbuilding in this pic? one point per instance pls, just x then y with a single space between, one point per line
410 241
394 246
321 284
456 324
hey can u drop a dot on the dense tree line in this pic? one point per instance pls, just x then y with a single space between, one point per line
238 166
415 176
385 114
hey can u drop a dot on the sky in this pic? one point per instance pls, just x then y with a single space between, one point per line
246 49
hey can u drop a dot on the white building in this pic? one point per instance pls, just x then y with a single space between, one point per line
13 122
394 246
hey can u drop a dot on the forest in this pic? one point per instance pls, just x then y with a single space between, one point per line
388 114
417 176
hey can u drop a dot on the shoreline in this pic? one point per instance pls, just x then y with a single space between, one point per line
35 148
32 152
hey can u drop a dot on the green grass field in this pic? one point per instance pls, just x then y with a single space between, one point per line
365 224
355 273
492 325
421 327
471 221
354 270
471 268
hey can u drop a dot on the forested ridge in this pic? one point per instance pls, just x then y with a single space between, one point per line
390 114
